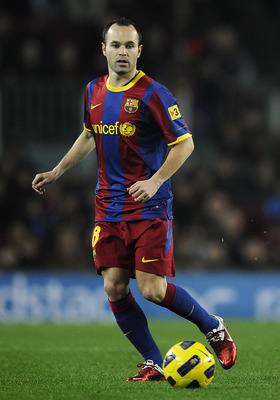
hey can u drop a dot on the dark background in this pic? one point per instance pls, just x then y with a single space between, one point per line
221 59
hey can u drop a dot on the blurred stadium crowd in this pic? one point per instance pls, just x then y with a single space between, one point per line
227 197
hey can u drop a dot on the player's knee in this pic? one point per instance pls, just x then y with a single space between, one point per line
151 293
115 290
152 287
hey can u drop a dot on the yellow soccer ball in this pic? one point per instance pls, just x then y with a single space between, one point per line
189 364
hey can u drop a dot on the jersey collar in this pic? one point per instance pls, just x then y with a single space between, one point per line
125 87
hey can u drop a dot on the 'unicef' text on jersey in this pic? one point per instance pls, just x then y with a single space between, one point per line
125 129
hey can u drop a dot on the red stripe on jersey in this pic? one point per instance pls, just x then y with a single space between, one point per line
97 100
157 112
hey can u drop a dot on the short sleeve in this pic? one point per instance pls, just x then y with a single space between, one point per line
165 110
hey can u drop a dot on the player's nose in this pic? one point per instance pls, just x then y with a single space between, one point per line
122 50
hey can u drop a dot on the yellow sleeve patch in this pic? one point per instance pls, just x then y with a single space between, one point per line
174 112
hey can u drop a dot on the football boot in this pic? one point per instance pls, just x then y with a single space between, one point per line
148 372
222 344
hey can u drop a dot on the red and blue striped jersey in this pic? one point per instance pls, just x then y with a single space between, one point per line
132 127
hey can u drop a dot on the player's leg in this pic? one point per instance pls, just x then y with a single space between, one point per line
214 328
110 250
154 260
179 301
158 244
132 321
156 289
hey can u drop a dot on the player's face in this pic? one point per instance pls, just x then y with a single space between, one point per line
121 49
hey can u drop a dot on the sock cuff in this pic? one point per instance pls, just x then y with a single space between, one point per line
169 295
122 304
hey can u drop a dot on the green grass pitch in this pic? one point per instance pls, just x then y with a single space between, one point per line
92 361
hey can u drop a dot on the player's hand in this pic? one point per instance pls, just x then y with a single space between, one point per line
43 179
142 191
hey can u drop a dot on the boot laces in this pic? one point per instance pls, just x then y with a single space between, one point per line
216 336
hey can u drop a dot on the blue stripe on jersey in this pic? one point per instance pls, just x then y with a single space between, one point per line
90 89
111 153
149 92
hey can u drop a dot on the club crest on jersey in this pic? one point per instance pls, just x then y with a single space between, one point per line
127 129
131 106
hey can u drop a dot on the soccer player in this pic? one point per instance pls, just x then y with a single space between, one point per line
131 121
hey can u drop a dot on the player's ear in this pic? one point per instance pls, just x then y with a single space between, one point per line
140 50
103 49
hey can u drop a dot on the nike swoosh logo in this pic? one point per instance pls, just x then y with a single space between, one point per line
127 333
96 105
146 261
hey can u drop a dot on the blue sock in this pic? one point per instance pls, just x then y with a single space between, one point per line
183 304
133 323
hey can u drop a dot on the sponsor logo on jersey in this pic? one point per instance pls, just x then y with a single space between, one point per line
174 112
106 129
94 106
131 106
126 129
144 260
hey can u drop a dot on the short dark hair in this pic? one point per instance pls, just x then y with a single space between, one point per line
121 22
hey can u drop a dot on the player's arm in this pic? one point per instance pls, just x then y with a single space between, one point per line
80 149
142 191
